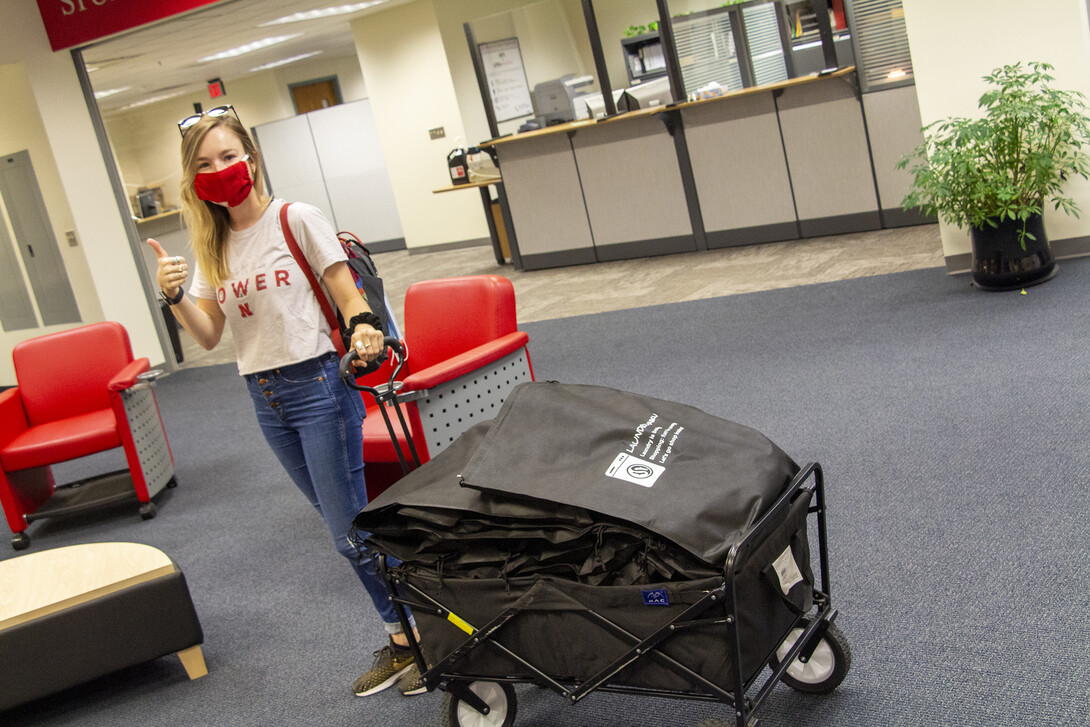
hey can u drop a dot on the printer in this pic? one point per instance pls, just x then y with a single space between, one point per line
560 100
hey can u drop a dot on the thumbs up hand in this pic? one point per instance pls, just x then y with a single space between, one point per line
172 271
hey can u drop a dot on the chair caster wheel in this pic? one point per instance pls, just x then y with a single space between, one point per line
147 510
20 541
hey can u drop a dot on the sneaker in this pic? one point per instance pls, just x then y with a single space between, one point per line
390 662
411 683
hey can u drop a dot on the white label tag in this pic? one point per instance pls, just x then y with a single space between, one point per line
787 571
635 470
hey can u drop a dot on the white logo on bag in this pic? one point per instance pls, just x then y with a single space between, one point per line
635 470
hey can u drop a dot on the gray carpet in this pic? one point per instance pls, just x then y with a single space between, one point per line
952 427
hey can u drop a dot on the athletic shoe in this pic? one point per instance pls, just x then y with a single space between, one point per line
411 683
391 661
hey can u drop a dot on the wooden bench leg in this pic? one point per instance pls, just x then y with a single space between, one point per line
193 661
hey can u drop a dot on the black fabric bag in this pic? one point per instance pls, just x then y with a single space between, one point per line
581 498
367 278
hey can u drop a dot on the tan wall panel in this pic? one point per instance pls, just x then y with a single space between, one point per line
893 121
544 195
738 163
631 181
827 150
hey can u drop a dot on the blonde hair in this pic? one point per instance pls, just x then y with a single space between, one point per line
208 223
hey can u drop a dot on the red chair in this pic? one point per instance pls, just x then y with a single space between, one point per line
59 412
465 354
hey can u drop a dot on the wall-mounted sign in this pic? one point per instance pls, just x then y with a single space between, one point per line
216 88
502 61
75 22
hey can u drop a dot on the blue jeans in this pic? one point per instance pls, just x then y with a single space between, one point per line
312 422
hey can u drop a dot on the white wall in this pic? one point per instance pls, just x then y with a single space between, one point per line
404 65
108 266
145 139
954 44
552 39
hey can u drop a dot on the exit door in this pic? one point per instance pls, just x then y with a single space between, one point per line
22 198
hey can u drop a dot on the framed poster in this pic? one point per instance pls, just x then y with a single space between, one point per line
502 61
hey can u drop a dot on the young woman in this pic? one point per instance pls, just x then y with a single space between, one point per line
245 277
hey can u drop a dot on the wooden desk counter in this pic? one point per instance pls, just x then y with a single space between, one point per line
651 110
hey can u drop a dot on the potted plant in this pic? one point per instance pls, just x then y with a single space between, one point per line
995 174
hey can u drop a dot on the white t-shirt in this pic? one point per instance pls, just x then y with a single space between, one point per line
270 307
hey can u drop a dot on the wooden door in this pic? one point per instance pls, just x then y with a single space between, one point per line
315 95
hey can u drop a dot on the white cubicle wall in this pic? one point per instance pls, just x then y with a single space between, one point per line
332 159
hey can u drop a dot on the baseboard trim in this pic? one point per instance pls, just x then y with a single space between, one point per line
646 248
1071 247
752 235
1067 248
458 245
397 243
562 258
959 264
841 224
900 217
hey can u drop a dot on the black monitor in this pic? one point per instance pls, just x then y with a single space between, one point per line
146 200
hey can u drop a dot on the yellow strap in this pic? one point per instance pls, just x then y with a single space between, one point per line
460 623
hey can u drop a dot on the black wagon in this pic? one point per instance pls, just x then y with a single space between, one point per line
591 539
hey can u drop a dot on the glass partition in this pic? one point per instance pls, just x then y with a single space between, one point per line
731 45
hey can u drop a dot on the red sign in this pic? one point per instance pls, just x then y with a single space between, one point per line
215 88
76 22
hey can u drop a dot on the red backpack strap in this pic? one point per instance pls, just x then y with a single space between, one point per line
323 301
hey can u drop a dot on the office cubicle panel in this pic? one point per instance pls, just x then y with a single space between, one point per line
632 187
828 157
293 169
545 197
893 122
332 159
347 142
740 171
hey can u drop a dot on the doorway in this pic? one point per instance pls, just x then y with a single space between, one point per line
314 95
22 198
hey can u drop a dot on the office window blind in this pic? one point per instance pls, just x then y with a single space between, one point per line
882 41
706 51
765 46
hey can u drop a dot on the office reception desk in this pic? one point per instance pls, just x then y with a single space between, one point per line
777 162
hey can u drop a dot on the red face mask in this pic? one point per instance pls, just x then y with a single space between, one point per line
230 185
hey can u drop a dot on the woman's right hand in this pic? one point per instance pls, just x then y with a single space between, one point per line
172 271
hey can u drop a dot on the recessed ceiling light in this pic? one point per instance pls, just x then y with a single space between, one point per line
110 92
248 48
285 62
322 13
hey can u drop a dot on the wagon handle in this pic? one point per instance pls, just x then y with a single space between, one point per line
349 372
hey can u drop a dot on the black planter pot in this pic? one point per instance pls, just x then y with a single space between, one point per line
1000 263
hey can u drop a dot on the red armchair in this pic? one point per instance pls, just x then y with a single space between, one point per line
53 415
465 354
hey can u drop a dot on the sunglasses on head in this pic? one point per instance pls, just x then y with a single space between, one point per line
184 124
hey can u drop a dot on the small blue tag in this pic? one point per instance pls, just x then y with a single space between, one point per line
657 597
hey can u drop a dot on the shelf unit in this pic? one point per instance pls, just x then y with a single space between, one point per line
644 58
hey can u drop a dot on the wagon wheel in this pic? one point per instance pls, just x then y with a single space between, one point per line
500 698
824 671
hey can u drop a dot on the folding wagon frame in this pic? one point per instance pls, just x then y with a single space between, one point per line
816 625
